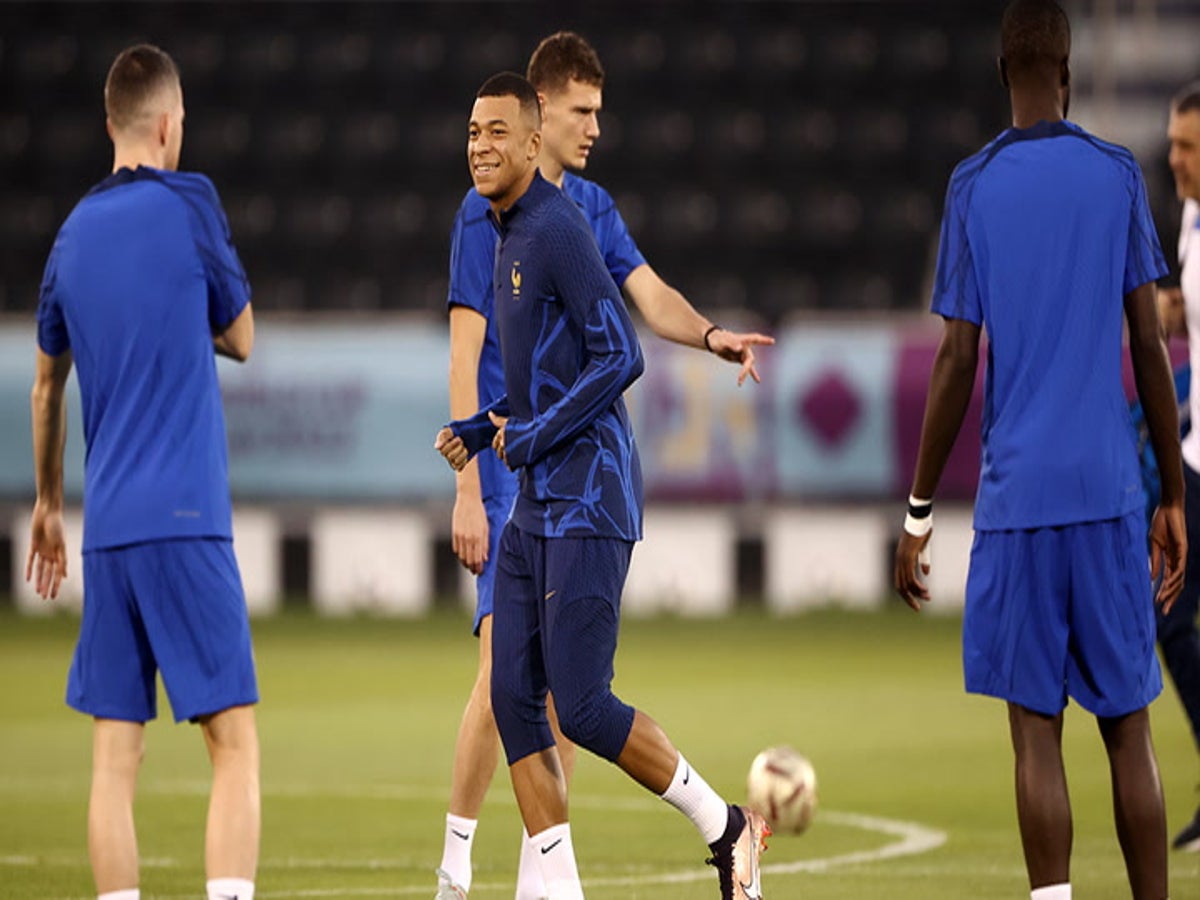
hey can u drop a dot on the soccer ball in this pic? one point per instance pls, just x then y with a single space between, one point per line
782 786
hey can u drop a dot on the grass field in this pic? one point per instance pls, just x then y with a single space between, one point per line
358 721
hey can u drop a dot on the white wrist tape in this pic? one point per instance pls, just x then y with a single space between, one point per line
919 520
918 527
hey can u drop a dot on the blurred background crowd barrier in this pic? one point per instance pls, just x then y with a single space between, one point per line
781 163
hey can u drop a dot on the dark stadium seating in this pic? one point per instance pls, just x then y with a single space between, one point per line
783 156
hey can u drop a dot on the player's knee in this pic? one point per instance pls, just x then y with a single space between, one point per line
231 734
596 721
123 761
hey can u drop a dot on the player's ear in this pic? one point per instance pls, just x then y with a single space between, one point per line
1002 67
1065 74
110 128
164 128
535 145
542 103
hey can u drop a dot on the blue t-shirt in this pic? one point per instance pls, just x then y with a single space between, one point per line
472 260
570 351
141 275
1045 231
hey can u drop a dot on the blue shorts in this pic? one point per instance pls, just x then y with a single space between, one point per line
498 509
1064 611
172 606
555 628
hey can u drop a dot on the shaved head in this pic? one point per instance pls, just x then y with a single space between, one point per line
1035 38
142 82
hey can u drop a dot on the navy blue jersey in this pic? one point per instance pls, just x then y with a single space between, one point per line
141 275
472 261
569 351
1045 231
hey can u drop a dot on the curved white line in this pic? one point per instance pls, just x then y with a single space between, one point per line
913 838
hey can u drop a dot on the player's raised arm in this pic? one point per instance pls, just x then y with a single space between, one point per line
671 316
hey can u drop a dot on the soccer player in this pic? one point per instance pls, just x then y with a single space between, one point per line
1180 308
1046 240
141 288
569 352
569 79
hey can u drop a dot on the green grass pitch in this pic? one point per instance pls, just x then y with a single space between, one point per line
358 722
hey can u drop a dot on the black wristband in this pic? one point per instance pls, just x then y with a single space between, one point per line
920 511
709 331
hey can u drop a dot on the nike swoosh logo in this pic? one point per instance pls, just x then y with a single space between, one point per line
752 890
457 834
687 775
550 847
550 594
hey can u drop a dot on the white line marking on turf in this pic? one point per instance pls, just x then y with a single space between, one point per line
912 838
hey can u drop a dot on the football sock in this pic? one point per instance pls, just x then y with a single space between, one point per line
556 856
230 889
456 850
1053 892
131 894
691 795
530 883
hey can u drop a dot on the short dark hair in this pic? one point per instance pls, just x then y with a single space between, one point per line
1034 35
563 57
510 84
136 76
1187 99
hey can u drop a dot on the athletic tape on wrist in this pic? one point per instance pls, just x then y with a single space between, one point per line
918 527
918 521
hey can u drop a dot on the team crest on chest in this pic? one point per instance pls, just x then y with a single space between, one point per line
515 276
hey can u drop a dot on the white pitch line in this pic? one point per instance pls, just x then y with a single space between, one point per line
912 839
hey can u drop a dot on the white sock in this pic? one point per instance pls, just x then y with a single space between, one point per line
556 857
1053 892
456 850
691 795
230 889
131 894
530 883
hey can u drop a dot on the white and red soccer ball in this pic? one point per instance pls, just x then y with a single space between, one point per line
782 786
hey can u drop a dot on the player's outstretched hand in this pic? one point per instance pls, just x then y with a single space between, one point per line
912 553
739 348
501 436
1168 553
46 566
452 448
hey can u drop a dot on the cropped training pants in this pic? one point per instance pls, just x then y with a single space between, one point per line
557 610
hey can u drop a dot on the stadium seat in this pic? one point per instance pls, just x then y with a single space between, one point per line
335 133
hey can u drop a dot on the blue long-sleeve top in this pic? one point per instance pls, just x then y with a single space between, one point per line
569 350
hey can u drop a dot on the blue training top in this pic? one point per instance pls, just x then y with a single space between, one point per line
570 351
142 274
1044 232
472 261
